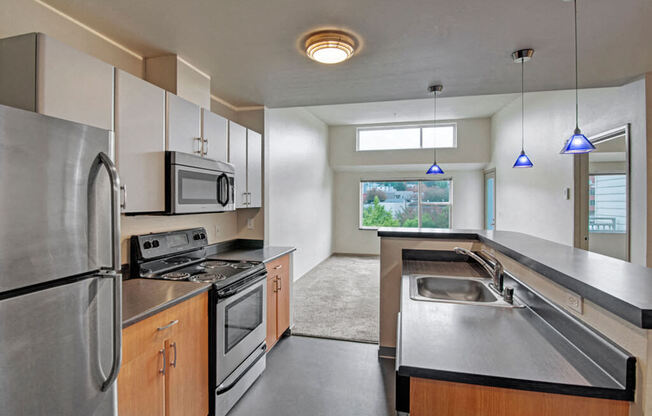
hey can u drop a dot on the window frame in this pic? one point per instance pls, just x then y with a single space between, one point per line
420 126
419 202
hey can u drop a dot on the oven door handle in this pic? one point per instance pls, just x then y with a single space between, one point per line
222 388
227 293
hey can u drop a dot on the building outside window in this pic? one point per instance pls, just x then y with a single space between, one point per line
608 203
411 204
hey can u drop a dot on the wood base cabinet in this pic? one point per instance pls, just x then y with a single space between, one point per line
165 363
278 299
442 398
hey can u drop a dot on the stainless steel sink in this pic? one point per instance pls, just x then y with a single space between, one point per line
466 290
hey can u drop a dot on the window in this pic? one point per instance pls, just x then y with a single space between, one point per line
412 204
407 137
607 203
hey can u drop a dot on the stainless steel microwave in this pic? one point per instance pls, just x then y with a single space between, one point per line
197 184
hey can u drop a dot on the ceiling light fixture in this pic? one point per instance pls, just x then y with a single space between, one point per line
435 169
577 143
521 57
330 47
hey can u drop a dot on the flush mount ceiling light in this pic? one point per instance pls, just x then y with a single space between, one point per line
577 143
435 169
521 57
330 47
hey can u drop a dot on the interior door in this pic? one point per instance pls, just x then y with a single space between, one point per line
238 157
56 350
215 133
490 200
183 125
254 169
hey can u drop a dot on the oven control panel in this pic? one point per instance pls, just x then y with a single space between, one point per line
164 244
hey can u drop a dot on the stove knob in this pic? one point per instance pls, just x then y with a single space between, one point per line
196 237
147 245
155 243
202 236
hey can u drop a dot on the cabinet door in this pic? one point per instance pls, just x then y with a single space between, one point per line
140 142
271 338
215 133
183 125
187 349
282 295
141 382
238 157
254 169
73 85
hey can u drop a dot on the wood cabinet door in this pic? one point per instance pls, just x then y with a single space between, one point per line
140 143
215 133
187 359
270 339
183 133
283 296
141 382
238 157
254 169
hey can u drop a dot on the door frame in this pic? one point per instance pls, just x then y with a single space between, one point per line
581 189
485 174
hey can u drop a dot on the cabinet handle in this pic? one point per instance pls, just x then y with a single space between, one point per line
123 189
162 370
244 196
278 283
200 150
174 363
172 323
280 266
205 146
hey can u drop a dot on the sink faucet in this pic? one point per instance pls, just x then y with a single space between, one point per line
495 272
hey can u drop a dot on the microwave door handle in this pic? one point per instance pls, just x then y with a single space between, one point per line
102 160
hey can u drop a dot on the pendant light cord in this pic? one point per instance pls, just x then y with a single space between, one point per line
577 106
434 128
522 108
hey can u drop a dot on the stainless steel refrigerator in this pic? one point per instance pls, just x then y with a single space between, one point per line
60 283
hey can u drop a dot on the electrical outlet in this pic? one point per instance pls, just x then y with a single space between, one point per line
250 223
574 301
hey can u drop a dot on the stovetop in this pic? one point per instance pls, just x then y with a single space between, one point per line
219 273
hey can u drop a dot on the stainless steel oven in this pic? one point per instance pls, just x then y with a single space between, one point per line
197 184
241 327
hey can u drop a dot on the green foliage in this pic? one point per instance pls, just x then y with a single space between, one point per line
377 216
408 217
435 217
374 193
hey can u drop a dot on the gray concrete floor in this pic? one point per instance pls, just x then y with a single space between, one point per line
321 377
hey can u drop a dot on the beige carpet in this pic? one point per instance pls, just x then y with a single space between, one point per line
339 299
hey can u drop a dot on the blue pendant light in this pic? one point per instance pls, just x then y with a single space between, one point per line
521 57
435 169
577 143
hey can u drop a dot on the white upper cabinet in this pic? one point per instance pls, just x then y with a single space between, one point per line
183 133
140 143
39 73
215 136
238 157
254 169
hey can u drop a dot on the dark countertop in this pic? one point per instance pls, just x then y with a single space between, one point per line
142 298
265 254
590 275
500 347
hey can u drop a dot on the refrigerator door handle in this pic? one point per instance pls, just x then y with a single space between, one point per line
103 160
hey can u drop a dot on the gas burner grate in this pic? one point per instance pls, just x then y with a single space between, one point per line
214 264
208 277
176 276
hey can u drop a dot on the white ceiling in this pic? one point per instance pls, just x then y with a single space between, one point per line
251 48
448 108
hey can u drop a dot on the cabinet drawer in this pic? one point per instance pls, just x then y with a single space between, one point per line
279 267
153 330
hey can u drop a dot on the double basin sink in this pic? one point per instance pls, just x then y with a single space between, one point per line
463 290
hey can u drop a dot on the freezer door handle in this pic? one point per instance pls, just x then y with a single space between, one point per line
104 161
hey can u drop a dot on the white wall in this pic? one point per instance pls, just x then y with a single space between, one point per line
473 146
532 200
348 238
298 195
